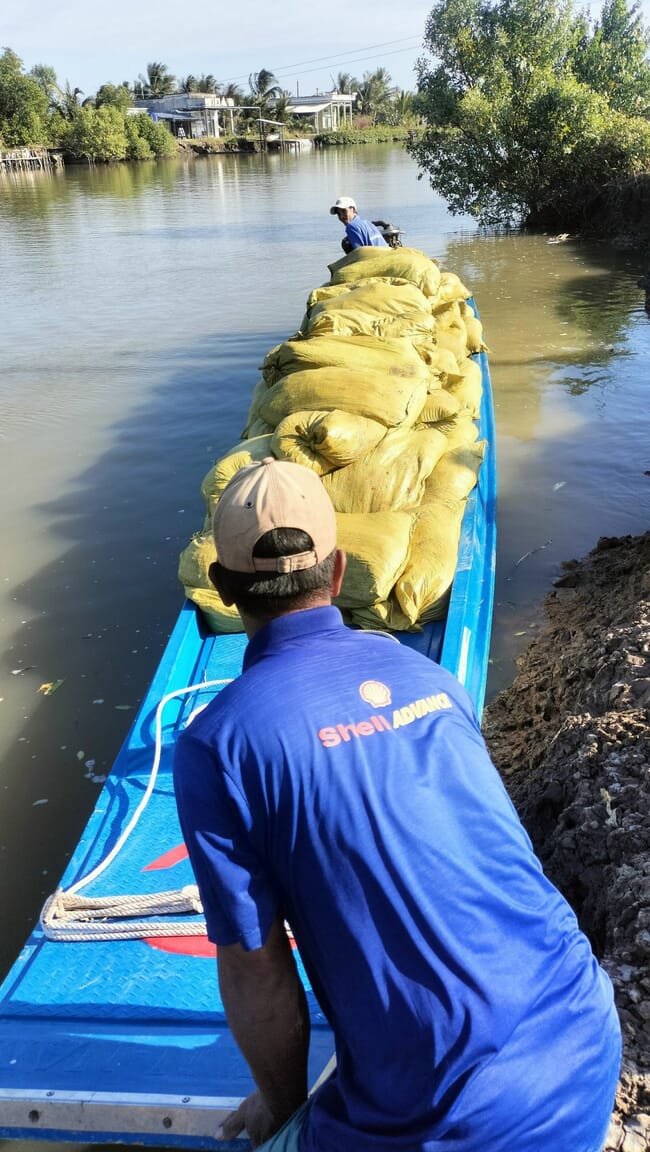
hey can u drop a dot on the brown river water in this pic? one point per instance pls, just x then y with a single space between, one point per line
137 303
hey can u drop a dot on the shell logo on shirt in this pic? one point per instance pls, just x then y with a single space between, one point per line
375 693
335 734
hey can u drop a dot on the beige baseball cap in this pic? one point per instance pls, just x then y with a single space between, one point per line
342 202
272 494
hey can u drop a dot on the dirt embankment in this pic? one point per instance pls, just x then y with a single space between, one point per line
571 738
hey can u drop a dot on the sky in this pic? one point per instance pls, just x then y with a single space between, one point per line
93 42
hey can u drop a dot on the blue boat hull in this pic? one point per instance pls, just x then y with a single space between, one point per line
126 1040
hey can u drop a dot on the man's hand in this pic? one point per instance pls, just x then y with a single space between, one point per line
253 1115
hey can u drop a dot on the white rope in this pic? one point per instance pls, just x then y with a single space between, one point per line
68 917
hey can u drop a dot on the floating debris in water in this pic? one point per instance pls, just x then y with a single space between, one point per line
37 802
80 755
19 671
98 701
560 484
48 689
123 707
526 555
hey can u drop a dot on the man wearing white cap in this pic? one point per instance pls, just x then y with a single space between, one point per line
341 783
358 233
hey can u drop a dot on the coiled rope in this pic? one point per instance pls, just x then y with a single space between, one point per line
69 918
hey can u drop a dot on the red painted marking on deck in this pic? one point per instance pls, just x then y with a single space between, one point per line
188 945
168 859
183 945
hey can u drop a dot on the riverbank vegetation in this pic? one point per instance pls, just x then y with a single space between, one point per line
36 111
526 112
534 114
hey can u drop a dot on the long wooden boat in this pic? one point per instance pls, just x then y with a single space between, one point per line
111 1029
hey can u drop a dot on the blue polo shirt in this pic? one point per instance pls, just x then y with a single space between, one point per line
343 781
364 234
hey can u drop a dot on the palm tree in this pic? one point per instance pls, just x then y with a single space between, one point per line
231 92
344 83
158 81
65 101
46 79
206 84
376 94
187 84
403 106
264 90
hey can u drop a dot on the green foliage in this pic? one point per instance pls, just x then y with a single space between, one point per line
96 134
513 129
159 140
158 82
137 146
375 96
344 83
614 60
381 134
115 95
23 105
46 79
264 92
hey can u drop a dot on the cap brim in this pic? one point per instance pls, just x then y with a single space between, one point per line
333 210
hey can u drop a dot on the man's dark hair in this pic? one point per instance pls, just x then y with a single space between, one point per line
268 594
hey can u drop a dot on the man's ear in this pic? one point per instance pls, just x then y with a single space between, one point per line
215 574
340 561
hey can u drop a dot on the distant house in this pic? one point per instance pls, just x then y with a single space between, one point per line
197 113
327 111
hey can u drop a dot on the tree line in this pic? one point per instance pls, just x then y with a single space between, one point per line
525 111
36 110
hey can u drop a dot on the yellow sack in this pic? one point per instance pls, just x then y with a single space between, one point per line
238 457
474 329
440 407
459 431
385 614
256 428
422 590
323 441
217 617
453 337
329 291
193 564
456 473
373 307
391 476
450 288
447 315
390 400
468 389
395 357
253 415
403 263
377 547
446 366
352 321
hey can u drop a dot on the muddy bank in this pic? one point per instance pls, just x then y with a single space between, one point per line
571 738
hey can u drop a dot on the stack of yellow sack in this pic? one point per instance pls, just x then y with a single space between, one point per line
377 393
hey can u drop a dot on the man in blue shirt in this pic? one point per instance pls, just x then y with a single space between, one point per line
342 784
358 233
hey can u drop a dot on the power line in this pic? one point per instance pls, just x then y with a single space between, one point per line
332 59
357 59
